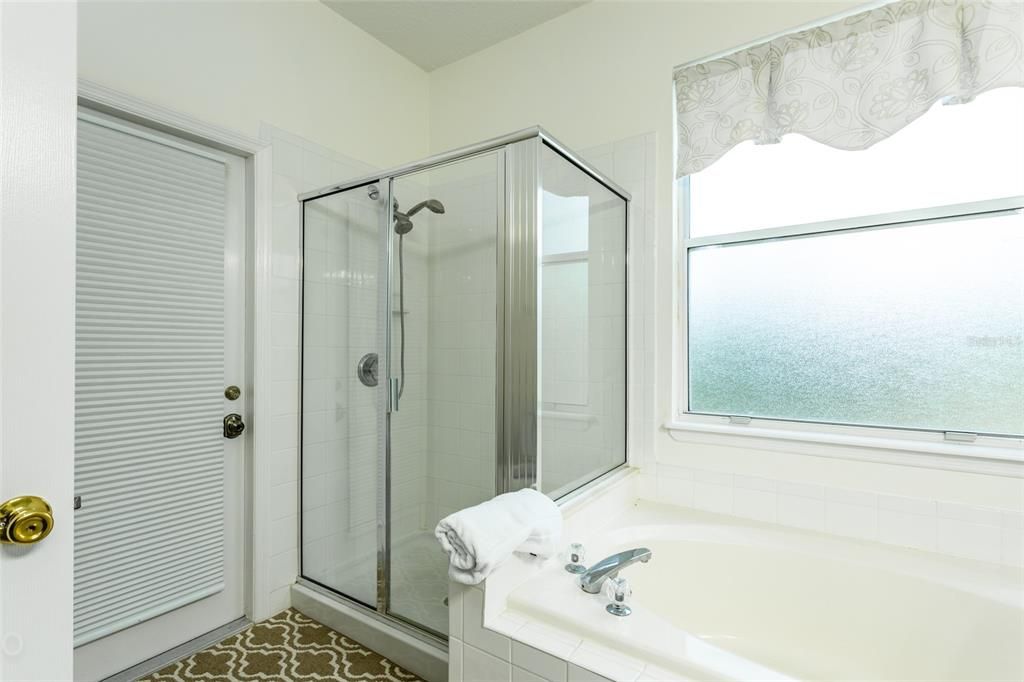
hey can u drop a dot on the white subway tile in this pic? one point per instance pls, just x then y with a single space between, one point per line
284 432
611 663
578 674
767 485
284 399
1013 520
669 471
852 520
801 512
907 505
963 512
455 660
539 663
712 497
284 295
286 500
677 491
284 466
280 599
653 673
474 632
906 529
480 666
750 503
551 640
715 477
847 496
521 675
1013 546
284 534
455 609
795 489
969 540
284 568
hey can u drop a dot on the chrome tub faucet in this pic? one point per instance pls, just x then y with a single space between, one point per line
592 580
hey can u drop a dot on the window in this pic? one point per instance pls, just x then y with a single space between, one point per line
882 287
565 296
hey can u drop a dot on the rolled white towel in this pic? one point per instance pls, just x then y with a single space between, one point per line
478 539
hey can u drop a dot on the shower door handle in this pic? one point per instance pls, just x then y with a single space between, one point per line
393 404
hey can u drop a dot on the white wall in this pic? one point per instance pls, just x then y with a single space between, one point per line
602 73
296 65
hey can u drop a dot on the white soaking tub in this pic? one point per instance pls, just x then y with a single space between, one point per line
723 598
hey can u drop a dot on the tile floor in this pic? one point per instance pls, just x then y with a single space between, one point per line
289 647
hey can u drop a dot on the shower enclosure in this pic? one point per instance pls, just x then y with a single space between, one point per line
463 335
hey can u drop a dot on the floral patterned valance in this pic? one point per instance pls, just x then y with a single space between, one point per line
849 83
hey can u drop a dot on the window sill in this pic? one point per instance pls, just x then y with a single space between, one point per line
993 456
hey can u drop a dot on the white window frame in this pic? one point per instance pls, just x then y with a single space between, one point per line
995 454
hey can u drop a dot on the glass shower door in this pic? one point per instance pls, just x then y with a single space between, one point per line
444 277
343 390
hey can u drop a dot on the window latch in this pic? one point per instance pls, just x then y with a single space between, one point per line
960 436
735 419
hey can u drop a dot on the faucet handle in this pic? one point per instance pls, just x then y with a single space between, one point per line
618 592
576 556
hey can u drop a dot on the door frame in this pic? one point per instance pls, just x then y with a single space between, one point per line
256 489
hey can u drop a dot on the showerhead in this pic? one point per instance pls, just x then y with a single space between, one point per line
403 222
434 205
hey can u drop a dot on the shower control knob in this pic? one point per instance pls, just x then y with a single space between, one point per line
618 592
367 370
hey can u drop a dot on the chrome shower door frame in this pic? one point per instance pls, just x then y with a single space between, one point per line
518 438
518 239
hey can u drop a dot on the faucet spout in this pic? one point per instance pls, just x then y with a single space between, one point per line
593 579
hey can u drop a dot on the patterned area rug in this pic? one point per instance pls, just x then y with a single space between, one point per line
287 648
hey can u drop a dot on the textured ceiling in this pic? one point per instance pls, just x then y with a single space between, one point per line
432 33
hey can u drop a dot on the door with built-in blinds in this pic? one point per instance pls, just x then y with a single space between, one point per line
160 336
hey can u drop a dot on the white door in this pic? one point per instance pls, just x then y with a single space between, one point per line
37 274
160 338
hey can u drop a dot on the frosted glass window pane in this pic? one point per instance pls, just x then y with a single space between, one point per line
919 327
936 161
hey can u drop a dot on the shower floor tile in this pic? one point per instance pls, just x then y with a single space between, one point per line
419 581
289 647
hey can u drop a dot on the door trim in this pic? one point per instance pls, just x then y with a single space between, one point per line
257 468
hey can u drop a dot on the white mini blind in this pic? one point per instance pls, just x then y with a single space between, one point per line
149 453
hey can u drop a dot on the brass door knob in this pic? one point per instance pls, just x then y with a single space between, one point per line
233 425
25 520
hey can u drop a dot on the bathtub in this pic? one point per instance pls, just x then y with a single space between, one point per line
727 599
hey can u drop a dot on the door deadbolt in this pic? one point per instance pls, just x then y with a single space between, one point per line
25 520
232 392
233 425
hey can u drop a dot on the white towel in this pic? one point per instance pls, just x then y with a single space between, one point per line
479 538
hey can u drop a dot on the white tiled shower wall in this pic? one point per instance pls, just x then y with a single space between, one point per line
462 337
